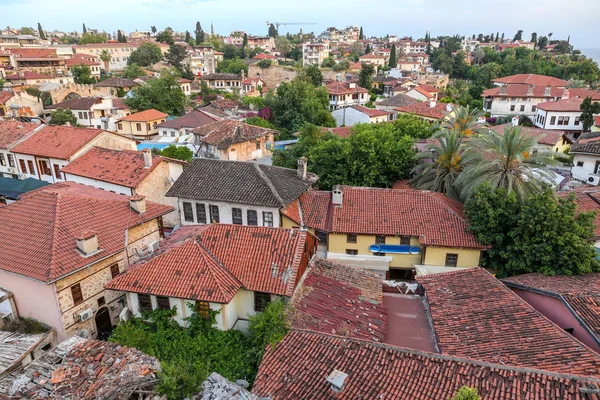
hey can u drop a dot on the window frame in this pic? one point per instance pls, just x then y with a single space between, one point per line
138 127
2 160
450 256
252 221
237 217
160 303
351 238
213 212
114 270
203 308
11 160
405 240
201 213
76 294
31 167
379 239
351 252
267 218
261 301
57 173
552 120
187 212
144 305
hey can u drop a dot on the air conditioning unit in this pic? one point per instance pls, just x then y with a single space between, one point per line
593 179
152 247
85 315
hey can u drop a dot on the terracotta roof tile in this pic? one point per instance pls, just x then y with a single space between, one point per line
121 167
81 103
399 100
532 79
475 316
5 96
312 207
58 141
211 263
227 132
571 104
27 75
424 109
344 88
541 136
117 83
192 120
522 90
145 116
433 217
378 371
341 131
583 93
11 132
40 229
80 61
33 53
371 112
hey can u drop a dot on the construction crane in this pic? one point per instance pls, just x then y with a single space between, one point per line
278 24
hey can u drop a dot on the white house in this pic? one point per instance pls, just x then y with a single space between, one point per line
561 115
230 269
44 154
181 126
519 99
350 116
586 161
423 93
315 53
344 94
11 134
95 112
237 192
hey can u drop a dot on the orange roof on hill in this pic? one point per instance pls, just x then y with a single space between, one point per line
27 75
424 109
79 61
144 116
572 104
263 56
532 79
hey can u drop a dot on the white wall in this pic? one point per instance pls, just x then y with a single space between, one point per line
501 106
549 114
349 116
225 213
416 95
111 187
582 172
7 169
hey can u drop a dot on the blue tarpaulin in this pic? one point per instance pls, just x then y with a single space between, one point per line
12 188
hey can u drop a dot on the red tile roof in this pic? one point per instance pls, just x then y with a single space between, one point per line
433 217
424 92
542 136
583 93
263 56
587 199
259 259
341 131
192 119
314 205
475 316
572 104
33 53
532 79
344 88
38 239
424 109
371 56
80 61
27 75
145 116
226 132
340 300
11 132
596 119
429 88
371 112
57 141
521 90
298 367
5 96
121 167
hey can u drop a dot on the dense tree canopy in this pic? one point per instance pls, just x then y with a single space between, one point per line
541 234
166 36
175 56
588 109
133 71
61 116
87 38
232 66
365 77
82 74
176 152
312 74
163 94
145 55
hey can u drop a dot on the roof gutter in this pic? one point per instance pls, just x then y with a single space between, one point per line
563 301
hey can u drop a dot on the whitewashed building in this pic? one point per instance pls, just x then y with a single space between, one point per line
11 134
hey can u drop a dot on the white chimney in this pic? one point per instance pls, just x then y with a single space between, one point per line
337 379
138 204
515 121
87 243
432 103
565 94
352 85
147 158
530 90
337 195
302 161
547 91
502 89
449 107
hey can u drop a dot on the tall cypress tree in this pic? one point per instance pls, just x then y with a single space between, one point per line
393 62
272 31
188 37
361 36
84 29
41 32
199 33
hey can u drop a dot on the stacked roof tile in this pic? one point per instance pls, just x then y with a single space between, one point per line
532 79
227 132
542 136
570 105
475 316
522 90
192 119
211 263
13 132
378 371
424 109
81 103
40 230
145 116
311 209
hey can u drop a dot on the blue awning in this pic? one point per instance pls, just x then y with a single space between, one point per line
13 188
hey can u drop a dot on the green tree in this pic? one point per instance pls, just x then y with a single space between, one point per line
562 47
258 121
368 49
188 37
245 40
459 66
199 34
312 74
163 94
264 64
365 77
26 30
542 43
82 74
297 102
166 36
232 66
41 32
442 61
145 55
361 35
268 327
272 31
153 29
465 392
328 62
534 38
342 65
92 38
541 234
393 61
464 120
230 52
518 35
175 56
84 29
588 109
507 161
283 45
62 116
133 71
105 57
177 152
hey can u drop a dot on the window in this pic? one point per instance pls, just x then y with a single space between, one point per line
85 115
405 240
101 301
172 134
261 300
379 239
512 108
202 308
566 121
188 213
57 171
120 127
533 108
147 126
237 216
214 213
267 218
76 294
11 160
522 108
257 145
252 217
201 213
451 260
22 164
114 270
2 159
561 120
351 252
44 168
351 238
144 302
552 120
138 127
580 163
155 124
162 303
31 169
577 120
80 115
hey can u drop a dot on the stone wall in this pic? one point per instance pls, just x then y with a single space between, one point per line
275 74
58 95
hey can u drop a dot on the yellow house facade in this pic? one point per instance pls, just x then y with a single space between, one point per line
141 125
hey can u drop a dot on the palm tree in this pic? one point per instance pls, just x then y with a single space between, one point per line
105 57
506 161
439 167
464 120
576 83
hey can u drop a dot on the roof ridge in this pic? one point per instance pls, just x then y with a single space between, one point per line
268 182
299 244
54 233
198 242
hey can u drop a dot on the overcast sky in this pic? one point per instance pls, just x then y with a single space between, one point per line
578 18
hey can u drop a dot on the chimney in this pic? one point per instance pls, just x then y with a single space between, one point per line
138 204
547 90
515 121
565 94
87 243
337 380
432 103
147 158
503 90
67 123
530 90
302 161
337 195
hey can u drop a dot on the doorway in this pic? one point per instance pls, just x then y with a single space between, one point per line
103 324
